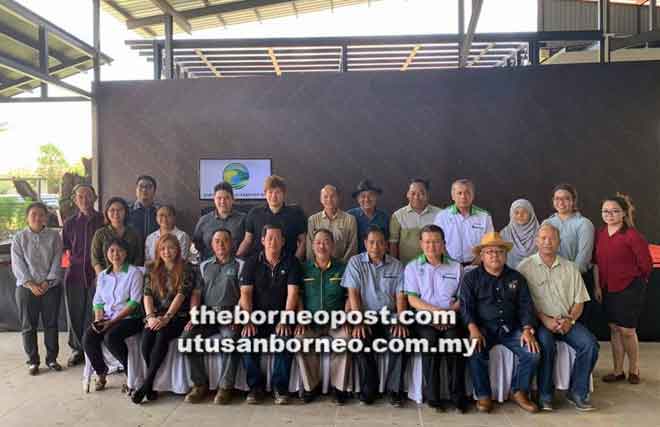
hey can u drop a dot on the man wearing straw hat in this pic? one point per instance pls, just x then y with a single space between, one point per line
497 308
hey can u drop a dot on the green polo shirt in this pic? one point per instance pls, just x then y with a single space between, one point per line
322 290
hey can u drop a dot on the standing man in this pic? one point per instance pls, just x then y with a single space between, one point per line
269 282
142 213
497 308
406 223
464 224
431 282
224 216
559 295
322 291
79 282
375 281
217 289
366 212
342 225
290 219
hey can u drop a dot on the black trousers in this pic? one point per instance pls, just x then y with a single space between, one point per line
30 308
368 366
155 345
79 312
443 373
113 338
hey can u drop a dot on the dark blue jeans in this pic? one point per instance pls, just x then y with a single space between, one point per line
586 354
522 377
281 367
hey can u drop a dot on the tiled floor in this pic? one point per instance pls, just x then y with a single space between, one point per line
56 399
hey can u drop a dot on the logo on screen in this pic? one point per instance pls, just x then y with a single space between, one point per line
237 175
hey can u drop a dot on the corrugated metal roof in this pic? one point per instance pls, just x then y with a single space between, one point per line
19 50
242 11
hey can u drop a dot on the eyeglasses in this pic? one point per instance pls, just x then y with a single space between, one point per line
493 252
145 186
612 212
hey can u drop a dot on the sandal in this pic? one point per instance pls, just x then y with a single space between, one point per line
613 378
100 383
634 378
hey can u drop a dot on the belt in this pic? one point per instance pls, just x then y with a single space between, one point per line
465 264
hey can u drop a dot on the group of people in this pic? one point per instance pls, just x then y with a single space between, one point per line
523 287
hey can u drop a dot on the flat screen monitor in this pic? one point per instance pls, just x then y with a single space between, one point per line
246 177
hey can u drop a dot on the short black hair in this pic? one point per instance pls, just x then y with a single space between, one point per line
425 182
373 228
115 241
267 227
36 205
324 231
221 230
432 228
109 203
147 178
224 186
169 208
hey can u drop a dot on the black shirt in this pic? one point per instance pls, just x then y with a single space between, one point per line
497 304
270 285
290 218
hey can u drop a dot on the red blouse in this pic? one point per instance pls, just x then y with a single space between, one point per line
621 258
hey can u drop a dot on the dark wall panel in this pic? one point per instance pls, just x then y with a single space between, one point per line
516 132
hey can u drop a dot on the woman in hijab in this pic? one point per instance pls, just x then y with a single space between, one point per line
521 231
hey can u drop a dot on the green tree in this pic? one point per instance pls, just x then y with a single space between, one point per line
52 165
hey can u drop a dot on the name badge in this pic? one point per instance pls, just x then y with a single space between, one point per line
449 276
512 285
478 226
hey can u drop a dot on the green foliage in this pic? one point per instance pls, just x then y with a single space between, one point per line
52 166
12 215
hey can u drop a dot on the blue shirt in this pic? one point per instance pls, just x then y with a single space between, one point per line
497 304
435 285
378 284
380 219
576 239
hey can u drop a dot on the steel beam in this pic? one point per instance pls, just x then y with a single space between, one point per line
5 100
217 9
169 51
167 9
280 42
53 70
18 67
25 13
43 58
469 36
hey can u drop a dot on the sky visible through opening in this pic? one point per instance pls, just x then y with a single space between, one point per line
68 125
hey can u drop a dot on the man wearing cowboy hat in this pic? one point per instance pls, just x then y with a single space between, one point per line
497 308
366 213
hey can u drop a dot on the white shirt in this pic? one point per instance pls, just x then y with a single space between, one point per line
463 233
152 239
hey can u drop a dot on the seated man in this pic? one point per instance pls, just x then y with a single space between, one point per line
375 281
217 288
497 308
269 282
322 291
559 295
431 283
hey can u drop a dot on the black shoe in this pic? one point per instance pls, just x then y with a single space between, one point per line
396 400
139 395
309 396
339 397
54 366
460 407
152 395
366 399
33 369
